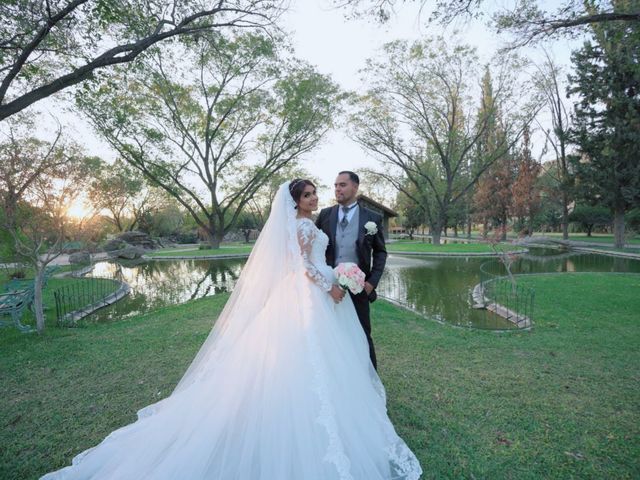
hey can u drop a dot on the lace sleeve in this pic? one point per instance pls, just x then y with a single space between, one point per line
306 235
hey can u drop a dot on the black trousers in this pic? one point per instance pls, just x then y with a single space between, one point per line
361 302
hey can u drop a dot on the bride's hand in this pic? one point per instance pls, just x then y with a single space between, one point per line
337 293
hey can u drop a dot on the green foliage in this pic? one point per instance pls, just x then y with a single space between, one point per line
213 139
53 45
589 216
418 119
632 218
118 189
607 116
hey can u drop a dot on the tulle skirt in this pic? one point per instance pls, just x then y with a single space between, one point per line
294 398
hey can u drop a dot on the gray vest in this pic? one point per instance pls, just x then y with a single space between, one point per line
345 247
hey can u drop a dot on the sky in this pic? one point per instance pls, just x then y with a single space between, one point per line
322 36
339 47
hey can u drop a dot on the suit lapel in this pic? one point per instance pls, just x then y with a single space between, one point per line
333 223
362 219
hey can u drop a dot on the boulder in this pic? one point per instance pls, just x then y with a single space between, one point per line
80 258
137 239
130 253
115 244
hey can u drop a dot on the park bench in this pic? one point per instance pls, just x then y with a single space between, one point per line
18 295
13 304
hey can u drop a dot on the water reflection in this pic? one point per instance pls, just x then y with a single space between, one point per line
439 288
157 284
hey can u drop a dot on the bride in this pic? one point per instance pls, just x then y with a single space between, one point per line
282 389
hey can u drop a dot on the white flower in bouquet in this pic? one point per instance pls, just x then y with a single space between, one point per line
350 277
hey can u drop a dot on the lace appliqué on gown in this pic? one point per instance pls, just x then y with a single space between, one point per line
403 464
313 243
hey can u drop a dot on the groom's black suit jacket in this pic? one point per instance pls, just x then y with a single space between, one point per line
371 250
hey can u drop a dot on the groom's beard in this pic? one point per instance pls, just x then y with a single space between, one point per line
345 201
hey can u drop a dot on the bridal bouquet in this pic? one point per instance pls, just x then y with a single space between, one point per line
350 277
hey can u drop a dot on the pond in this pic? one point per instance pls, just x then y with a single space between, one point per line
439 288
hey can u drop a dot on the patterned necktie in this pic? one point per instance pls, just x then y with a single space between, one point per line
345 221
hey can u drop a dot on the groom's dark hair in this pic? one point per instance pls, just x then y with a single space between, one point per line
352 176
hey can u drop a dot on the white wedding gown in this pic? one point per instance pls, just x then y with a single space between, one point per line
288 394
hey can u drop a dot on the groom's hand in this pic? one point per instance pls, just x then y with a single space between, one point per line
368 288
337 293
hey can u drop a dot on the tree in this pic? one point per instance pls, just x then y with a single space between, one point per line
48 46
415 120
548 82
492 198
160 214
589 216
526 191
411 214
527 20
607 119
120 190
214 138
40 224
24 160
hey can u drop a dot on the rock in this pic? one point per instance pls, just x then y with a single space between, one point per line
137 239
80 258
130 253
130 239
115 244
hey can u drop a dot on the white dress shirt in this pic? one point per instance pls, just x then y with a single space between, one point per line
350 214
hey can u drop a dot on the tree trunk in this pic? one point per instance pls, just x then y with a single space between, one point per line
455 231
469 228
37 297
589 228
618 227
436 232
565 216
504 228
214 242
214 235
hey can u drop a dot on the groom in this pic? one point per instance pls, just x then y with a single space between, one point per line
355 235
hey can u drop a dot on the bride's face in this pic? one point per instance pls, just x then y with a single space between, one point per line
308 200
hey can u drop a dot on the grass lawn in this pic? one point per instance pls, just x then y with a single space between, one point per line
224 250
561 401
627 249
6 272
576 237
594 238
445 248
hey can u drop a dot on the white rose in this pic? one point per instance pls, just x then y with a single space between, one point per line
371 228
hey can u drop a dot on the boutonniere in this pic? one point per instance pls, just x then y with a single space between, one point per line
371 228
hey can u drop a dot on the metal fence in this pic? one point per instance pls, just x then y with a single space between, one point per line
502 294
83 294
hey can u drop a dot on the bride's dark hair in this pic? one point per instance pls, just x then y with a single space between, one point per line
296 187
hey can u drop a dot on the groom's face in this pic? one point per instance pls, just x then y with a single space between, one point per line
345 189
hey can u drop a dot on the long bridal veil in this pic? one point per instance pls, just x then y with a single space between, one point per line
275 258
